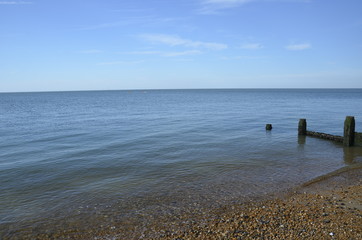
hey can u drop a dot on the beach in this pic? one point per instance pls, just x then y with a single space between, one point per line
326 208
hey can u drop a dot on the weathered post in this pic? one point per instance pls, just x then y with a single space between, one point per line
268 127
348 136
302 127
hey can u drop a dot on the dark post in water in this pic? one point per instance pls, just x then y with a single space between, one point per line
348 136
302 127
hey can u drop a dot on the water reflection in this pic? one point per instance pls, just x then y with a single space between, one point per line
301 139
351 155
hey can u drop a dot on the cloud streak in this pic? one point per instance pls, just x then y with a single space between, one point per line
14 3
172 40
298 47
216 6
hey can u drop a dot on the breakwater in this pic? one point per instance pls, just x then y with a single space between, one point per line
325 136
350 137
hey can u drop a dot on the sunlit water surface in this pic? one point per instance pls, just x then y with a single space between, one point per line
69 154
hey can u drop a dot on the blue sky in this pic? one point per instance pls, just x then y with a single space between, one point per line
57 45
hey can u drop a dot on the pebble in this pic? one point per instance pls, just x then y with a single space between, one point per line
301 216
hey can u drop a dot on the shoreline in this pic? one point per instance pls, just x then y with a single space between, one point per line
327 207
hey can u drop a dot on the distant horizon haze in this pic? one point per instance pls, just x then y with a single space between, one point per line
176 89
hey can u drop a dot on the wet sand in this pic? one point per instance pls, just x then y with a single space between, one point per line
329 207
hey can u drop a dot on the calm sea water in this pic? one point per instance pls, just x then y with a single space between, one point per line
69 154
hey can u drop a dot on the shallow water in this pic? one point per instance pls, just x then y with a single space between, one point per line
73 155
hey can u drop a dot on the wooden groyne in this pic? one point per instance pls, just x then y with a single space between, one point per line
325 136
350 137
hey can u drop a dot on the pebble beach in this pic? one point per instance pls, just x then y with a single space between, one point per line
321 210
326 208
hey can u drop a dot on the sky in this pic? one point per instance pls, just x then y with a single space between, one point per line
65 45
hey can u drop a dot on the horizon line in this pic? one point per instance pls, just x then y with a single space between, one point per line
181 89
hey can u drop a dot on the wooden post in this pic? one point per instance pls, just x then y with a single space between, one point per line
268 127
302 127
348 136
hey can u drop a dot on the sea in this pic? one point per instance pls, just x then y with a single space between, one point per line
91 159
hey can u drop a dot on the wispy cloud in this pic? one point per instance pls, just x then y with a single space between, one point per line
14 3
167 54
252 46
120 63
298 47
216 6
173 40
